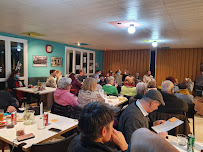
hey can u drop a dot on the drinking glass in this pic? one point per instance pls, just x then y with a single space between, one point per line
20 130
1 114
181 139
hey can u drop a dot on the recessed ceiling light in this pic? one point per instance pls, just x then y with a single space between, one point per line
131 29
154 44
78 44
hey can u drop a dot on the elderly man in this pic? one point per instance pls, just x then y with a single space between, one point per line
173 105
143 140
147 77
109 88
96 129
51 80
135 116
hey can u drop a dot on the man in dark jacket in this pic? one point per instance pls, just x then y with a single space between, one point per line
173 105
135 116
96 127
8 102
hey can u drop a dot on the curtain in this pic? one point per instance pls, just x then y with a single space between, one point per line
179 63
133 60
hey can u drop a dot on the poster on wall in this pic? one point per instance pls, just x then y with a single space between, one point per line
39 61
56 62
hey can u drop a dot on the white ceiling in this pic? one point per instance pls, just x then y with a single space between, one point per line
177 23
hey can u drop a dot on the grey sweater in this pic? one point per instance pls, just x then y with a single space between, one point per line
132 119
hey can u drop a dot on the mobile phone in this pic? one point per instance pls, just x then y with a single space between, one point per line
55 130
25 137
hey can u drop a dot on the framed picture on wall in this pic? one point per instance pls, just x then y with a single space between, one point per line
39 61
56 61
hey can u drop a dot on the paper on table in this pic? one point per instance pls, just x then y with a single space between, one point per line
168 125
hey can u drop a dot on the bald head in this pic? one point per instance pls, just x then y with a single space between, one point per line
167 87
144 140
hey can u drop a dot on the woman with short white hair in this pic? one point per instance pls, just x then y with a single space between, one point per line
62 95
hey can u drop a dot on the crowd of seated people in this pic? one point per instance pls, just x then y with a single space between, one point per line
97 118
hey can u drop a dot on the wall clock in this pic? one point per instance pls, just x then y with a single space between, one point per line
48 48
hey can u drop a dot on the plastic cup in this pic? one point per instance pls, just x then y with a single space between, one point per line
20 130
181 139
1 114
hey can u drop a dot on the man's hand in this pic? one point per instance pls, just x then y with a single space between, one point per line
118 139
11 109
158 122
163 134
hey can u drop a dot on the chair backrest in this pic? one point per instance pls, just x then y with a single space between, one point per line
73 91
66 111
59 146
182 129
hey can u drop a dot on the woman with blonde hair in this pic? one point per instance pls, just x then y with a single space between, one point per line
129 88
58 76
88 94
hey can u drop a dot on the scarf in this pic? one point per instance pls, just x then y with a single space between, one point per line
183 91
129 85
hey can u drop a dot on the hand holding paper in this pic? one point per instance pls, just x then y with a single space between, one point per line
168 125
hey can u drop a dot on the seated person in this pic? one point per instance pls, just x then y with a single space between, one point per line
152 84
174 81
184 94
147 77
51 80
58 76
135 116
129 88
126 73
144 140
173 105
82 76
102 80
137 78
141 89
7 102
190 85
118 77
96 129
88 94
98 86
62 95
75 83
109 88
14 82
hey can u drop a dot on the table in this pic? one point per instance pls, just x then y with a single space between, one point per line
117 101
34 91
41 136
47 94
173 140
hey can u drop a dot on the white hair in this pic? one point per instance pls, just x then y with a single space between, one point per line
64 82
109 79
141 88
166 86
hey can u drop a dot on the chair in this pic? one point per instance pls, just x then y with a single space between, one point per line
66 111
73 91
191 114
182 129
60 146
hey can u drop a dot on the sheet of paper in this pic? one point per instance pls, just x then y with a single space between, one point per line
168 125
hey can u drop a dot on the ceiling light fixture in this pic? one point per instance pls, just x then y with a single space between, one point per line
131 29
154 44
78 44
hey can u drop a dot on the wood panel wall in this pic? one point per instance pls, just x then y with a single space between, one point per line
179 63
134 60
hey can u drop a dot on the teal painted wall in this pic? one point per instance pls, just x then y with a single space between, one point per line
38 47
